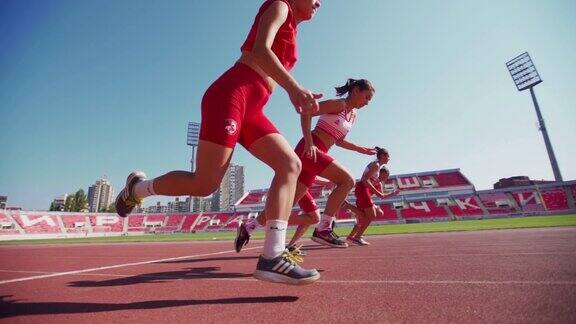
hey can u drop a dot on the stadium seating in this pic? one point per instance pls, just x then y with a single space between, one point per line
451 179
254 197
466 206
408 183
189 221
136 223
37 223
497 203
389 213
555 199
8 230
106 223
219 220
233 221
74 223
423 209
4 217
174 220
426 196
528 200
428 181
155 218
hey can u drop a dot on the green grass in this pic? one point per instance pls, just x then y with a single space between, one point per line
469 225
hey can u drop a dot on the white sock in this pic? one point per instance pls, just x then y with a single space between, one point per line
144 189
325 222
252 225
275 238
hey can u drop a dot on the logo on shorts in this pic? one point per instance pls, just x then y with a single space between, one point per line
230 126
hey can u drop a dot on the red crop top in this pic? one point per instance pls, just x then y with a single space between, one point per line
284 45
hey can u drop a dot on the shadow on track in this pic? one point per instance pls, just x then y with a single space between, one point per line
12 308
234 258
159 277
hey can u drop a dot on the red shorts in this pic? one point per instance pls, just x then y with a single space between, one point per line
311 169
233 108
307 203
363 196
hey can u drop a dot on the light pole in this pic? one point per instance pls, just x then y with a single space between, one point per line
192 140
526 76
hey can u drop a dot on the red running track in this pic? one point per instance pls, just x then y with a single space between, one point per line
490 276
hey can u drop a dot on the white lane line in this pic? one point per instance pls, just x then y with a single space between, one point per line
58 274
450 282
391 256
20 271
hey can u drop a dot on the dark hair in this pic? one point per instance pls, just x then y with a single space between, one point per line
363 84
384 169
380 151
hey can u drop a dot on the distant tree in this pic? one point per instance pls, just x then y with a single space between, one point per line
53 207
80 201
69 203
111 208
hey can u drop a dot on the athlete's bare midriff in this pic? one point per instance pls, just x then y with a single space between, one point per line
327 139
248 59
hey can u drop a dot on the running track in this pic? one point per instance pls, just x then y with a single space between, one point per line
490 276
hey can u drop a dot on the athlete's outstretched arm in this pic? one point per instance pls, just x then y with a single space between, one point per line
356 148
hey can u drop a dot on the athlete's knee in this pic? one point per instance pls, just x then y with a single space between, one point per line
346 182
290 165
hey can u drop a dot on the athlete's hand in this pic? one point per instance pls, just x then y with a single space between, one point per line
367 151
304 101
310 151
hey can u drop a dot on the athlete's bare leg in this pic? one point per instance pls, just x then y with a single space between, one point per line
211 164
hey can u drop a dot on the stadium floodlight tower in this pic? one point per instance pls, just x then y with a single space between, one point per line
526 76
192 140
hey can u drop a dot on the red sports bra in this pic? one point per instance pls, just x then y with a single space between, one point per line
284 45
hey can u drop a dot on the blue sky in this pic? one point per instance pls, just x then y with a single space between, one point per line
100 88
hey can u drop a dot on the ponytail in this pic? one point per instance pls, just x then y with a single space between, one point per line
363 84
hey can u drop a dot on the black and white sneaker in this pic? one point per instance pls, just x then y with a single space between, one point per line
126 201
242 237
329 238
284 269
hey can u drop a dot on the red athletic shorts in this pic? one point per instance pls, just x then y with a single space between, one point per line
311 169
307 203
363 196
233 108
